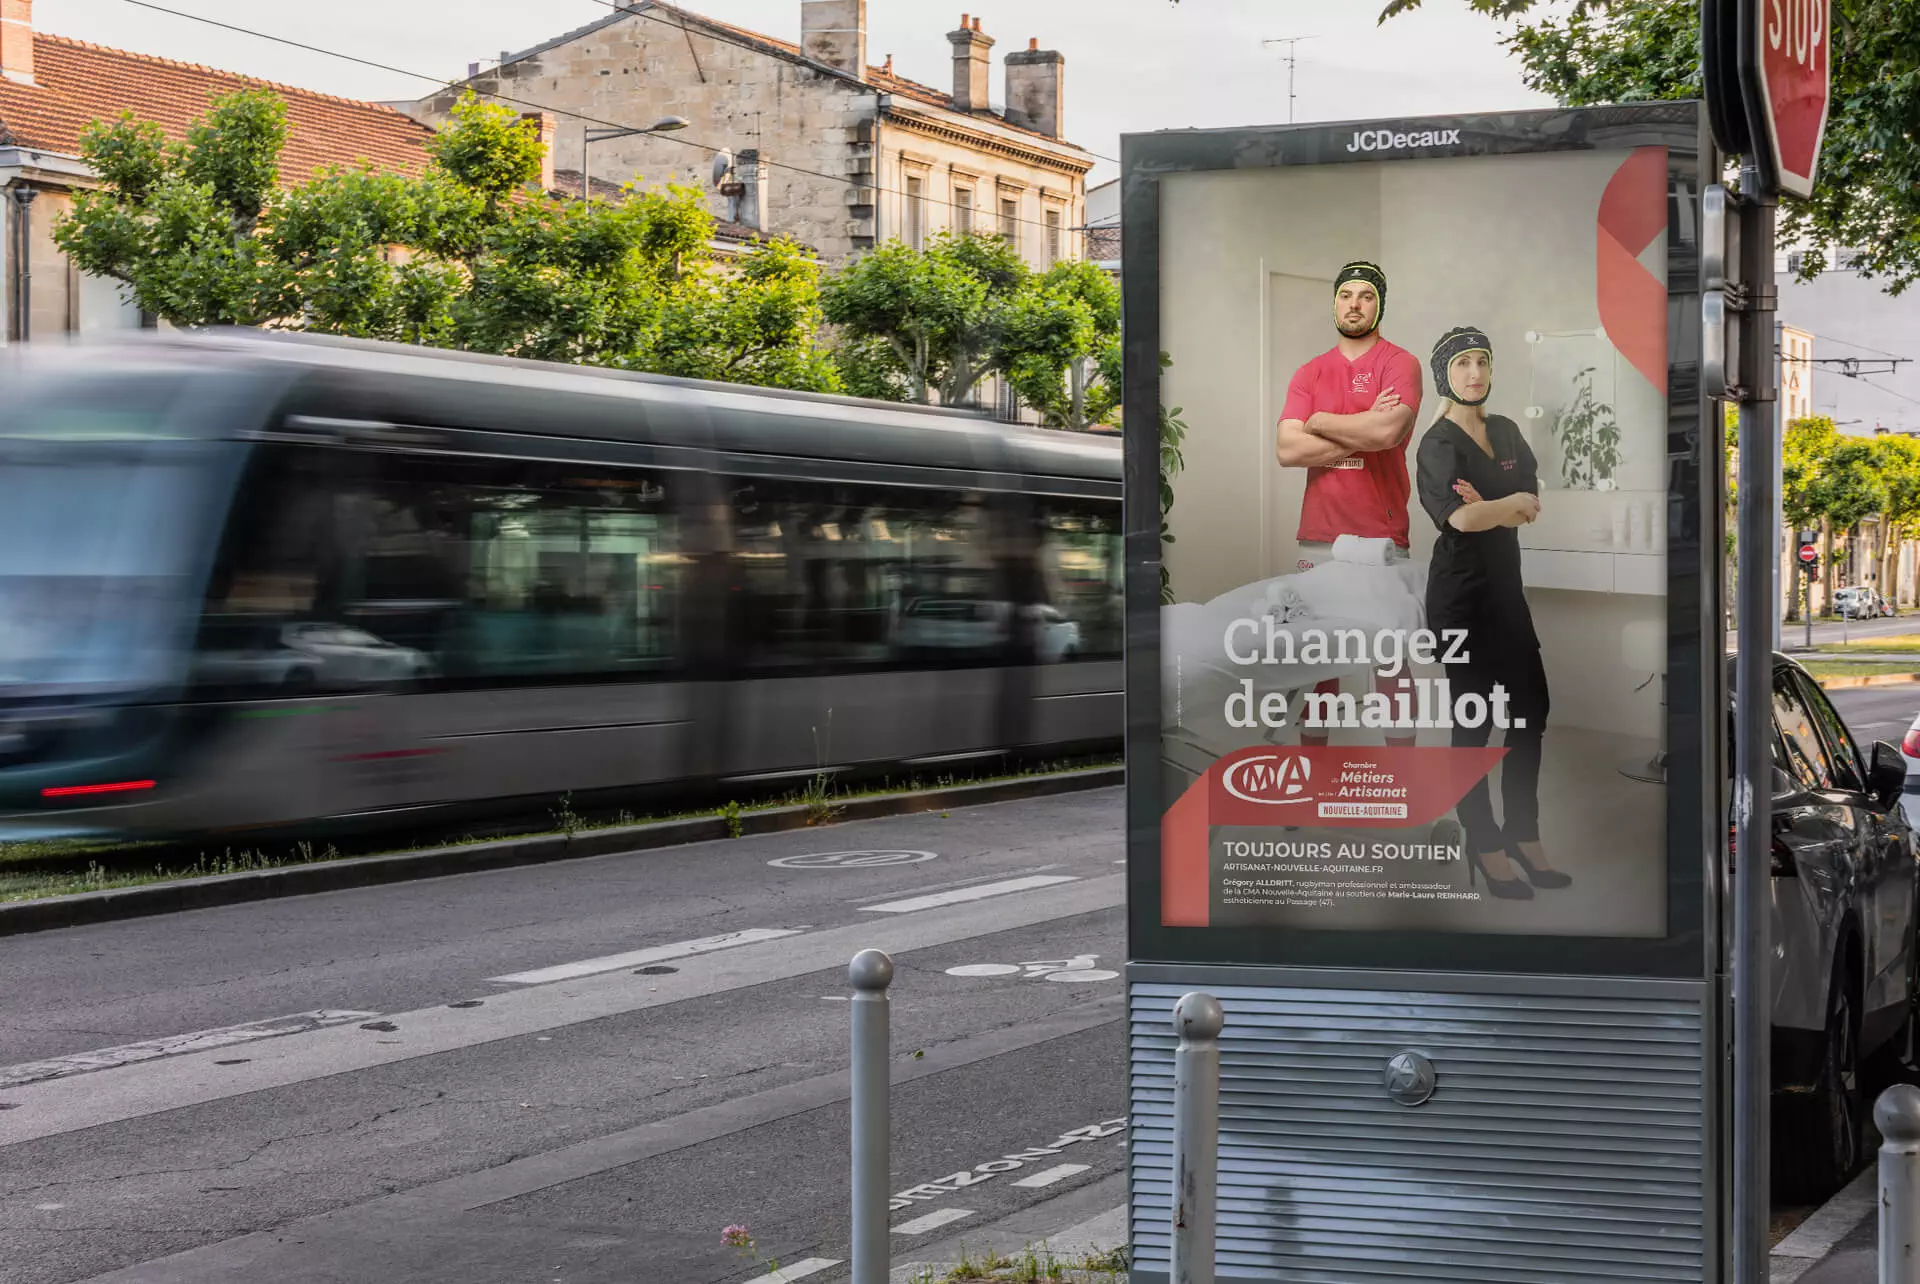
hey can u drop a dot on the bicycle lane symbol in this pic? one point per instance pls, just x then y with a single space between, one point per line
1079 968
851 860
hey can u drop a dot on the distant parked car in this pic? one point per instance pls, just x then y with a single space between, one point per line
1860 603
1844 903
307 656
933 624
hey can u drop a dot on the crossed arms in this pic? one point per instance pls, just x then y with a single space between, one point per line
1323 438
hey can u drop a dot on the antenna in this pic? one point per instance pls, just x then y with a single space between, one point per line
1293 58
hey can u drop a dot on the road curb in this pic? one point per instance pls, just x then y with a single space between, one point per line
81 908
1876 680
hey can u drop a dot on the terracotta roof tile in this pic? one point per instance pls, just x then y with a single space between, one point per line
78 83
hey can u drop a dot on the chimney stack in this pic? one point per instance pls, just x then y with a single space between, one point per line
1035 97
16 40
548 130
834 32
972 65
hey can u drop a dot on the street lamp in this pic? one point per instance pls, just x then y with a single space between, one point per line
665 125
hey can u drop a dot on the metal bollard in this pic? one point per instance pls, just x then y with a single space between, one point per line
1897 1115
870 973
1197 1019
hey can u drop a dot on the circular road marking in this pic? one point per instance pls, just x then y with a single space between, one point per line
1084 974
983 969
850 860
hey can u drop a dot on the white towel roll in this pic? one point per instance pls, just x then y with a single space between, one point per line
1372 551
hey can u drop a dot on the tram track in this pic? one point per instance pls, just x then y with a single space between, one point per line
63 888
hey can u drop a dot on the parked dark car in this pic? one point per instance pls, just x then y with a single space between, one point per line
1844 982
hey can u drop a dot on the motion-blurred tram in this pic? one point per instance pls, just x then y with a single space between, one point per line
255 581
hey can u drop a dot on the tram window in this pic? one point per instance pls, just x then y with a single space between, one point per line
369 568
862 575
1083 572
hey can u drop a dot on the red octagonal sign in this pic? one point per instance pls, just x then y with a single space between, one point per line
1794 40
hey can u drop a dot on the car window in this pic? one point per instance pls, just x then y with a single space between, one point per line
1847 771
1808 760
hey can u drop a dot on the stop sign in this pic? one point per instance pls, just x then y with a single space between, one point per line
1808 552
1791 70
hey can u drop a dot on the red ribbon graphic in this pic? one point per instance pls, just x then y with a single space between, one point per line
1633 300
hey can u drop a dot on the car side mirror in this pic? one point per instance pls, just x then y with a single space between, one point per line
1887 778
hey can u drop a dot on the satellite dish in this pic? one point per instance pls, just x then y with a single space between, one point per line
722 166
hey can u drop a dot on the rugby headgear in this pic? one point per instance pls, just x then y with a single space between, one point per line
1460 339
1361 270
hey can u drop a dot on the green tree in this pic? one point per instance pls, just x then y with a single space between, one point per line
1061 345
177 222
760 325
1804 448
1868 194
933 323
465 255
1897 458
1848 489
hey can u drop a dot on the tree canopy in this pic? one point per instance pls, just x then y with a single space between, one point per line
466 255
1867 197
921 324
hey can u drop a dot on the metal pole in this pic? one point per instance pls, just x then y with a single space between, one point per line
1197 1019
1752 781
1897 1116
1807 611
870 973
586 163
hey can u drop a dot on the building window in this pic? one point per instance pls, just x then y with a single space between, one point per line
963 210
1010 221
916 212
1053 237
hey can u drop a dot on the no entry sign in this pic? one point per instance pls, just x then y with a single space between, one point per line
1787 69
1808 553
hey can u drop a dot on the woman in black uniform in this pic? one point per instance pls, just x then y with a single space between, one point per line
1479 483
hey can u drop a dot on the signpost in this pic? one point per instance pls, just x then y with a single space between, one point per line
1784 84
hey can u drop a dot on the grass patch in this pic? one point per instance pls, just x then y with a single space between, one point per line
1899 644
66 867
1033 1265
1823 669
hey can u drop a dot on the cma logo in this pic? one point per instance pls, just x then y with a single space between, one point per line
1381 140
1273 779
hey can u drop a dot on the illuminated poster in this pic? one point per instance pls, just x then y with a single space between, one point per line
1414 635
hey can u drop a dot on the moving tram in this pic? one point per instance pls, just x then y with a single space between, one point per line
256 581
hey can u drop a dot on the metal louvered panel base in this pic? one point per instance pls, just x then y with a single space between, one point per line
1565 1141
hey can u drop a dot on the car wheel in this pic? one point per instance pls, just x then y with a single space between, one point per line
1819 1138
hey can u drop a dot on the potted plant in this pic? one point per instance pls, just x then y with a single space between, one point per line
1589 438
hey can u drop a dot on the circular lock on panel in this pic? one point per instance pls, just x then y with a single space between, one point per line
1410 1079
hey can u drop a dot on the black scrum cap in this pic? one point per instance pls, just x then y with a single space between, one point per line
1361 270
1464 338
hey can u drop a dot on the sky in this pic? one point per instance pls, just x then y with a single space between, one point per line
1131 65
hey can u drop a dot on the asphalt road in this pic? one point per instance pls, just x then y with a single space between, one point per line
1877 713
574 1073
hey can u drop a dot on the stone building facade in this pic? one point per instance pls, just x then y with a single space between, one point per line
828 148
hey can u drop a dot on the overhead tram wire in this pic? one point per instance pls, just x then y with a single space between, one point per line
988 214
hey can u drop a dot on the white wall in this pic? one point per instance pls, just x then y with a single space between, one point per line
106 304
1247 263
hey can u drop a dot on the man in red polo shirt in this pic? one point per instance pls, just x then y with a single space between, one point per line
1348 417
